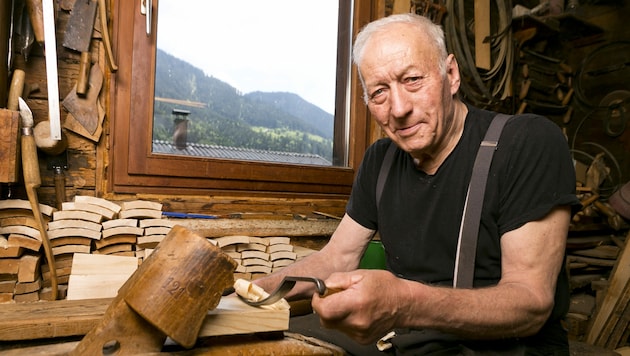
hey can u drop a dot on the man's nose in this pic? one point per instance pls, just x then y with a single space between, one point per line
400 102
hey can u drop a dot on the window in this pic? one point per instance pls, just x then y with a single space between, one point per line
136 167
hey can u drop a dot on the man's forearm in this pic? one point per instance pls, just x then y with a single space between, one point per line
503 311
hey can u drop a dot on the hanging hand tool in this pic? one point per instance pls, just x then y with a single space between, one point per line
52 80
78 36
102 7
36 14
22 40
32 181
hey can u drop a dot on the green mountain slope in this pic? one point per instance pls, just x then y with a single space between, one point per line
269 121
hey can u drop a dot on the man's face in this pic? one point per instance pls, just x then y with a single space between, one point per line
410 98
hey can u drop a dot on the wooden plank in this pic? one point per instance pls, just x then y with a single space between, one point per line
99 275
213 228
9 133
24 204
620 276
49 319
483 58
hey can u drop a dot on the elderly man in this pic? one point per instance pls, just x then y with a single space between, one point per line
520 290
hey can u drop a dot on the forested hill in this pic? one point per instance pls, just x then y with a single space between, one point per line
221 115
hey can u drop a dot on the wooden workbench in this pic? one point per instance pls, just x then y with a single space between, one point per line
241 345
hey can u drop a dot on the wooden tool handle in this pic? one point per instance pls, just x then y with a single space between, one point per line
84 73
108 46
36 15
30 166
32 181
16 88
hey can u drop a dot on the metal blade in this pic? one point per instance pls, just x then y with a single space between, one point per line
80 25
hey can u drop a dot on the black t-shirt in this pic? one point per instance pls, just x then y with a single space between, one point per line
419 215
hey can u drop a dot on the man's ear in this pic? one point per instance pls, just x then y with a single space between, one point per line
452 73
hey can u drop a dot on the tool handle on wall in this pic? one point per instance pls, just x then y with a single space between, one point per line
32 181
108 45
84 73
16 88
36 15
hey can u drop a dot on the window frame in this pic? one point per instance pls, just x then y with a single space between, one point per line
134 168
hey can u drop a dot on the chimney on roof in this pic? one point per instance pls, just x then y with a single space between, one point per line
180 133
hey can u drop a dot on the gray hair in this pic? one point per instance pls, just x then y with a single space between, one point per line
423 24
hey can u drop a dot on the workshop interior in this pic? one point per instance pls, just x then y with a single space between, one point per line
140 189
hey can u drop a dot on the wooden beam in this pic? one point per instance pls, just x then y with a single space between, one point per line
212 228
482 30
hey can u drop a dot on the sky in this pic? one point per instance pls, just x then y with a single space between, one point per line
239 42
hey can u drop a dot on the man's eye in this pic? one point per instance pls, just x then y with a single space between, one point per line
412 79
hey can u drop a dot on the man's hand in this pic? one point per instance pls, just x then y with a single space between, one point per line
366 307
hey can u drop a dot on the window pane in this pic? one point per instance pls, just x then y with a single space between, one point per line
248 80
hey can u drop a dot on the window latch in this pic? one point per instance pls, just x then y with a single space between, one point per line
146 7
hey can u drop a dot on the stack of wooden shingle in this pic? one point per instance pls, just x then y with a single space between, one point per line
20 256
257 256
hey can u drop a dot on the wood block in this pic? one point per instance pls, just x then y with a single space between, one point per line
282 263
124 253
98 201
60 262
19 220
149 240
74 223
74 232
605 251
72 240
258 269
116 239
27 297
9 152
10 251
6 298
24 204
157 222
231 240
251 246
7 286
123 230
46 292
29 268
119 223
28 287
254 254
90 208
99 276
77 214
70 249
256 262
112 249
141 204
276 240
21 230
283 255
140 214
9 265
279 247
259 240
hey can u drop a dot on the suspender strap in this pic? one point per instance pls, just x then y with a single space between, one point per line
469 230
467 245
